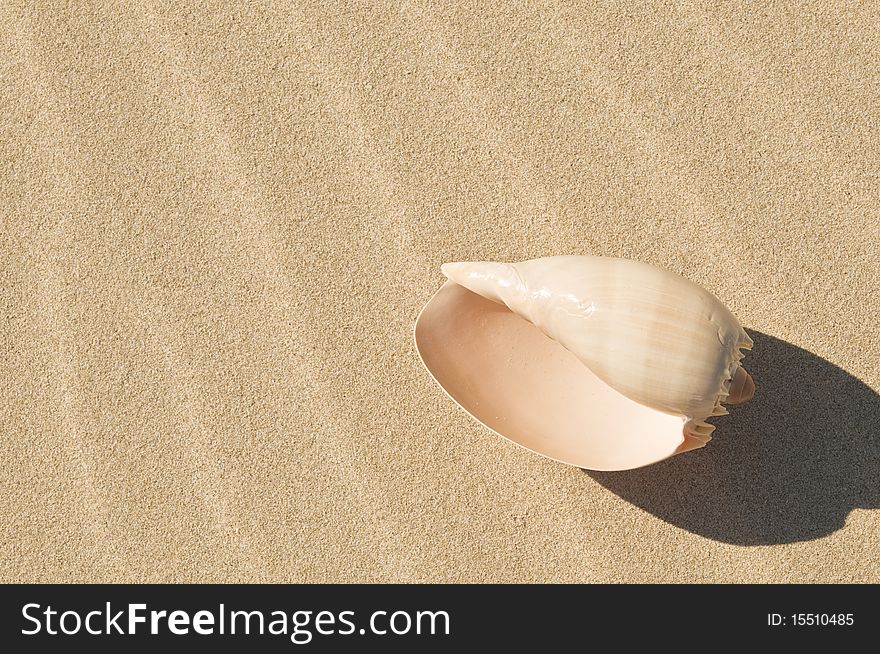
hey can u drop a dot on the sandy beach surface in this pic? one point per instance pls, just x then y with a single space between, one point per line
219 221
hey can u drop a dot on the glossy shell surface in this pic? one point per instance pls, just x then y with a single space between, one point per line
601 363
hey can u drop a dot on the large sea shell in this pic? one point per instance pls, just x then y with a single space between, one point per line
602 363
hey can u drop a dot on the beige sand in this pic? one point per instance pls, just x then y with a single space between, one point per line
219 225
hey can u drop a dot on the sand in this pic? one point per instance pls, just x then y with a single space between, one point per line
219 224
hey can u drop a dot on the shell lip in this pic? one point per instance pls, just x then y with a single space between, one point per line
645 448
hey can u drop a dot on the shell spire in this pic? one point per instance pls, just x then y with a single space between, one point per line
498 282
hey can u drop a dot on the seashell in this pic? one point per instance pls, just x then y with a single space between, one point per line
602 363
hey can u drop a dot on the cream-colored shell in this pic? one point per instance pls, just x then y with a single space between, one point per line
650 334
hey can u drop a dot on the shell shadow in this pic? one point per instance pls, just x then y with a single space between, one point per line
787 466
